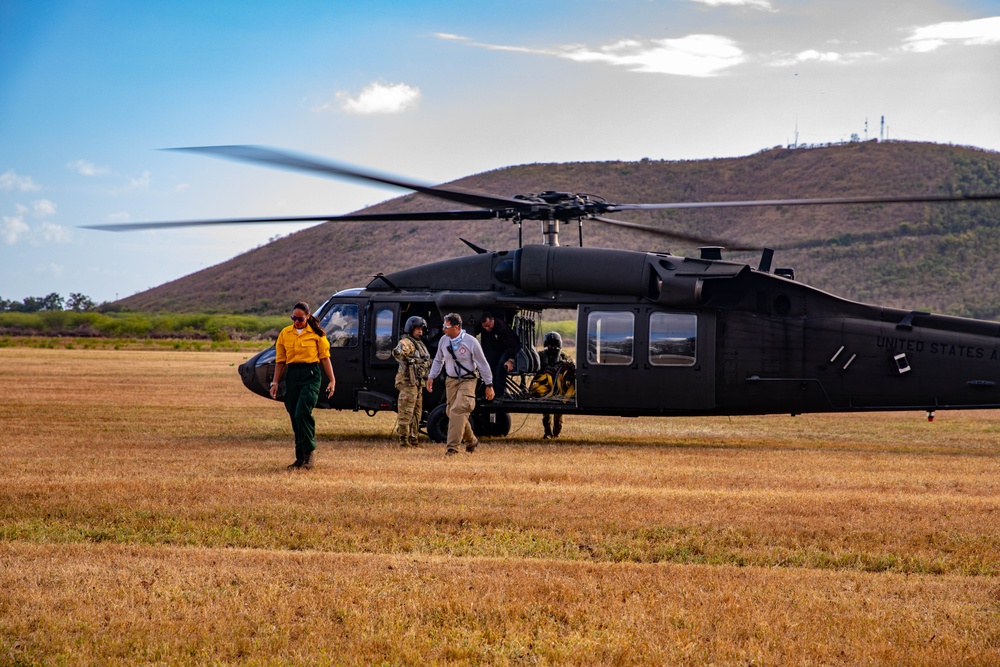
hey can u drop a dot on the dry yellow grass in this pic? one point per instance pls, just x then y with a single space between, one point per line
146 517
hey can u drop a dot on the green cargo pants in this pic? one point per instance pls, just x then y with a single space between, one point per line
302 383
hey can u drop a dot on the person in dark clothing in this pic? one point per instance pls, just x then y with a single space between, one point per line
500 345
559 368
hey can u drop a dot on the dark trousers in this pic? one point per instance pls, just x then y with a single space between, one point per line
552 430
302 382
500 373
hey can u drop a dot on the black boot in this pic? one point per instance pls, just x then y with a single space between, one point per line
298 458
307 460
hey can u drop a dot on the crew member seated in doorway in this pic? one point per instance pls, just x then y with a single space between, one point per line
500 345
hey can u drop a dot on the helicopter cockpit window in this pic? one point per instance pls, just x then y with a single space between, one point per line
383 334
341 325
672 339
610 338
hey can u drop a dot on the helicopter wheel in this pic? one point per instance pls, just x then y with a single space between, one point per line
484 427
437 423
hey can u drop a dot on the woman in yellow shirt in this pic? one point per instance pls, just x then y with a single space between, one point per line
303 357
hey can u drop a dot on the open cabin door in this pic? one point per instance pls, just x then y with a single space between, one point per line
645 359
341 319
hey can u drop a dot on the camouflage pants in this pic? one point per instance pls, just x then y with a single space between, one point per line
409 407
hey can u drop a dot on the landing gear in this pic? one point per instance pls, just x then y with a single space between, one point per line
437 423
491 424
484 424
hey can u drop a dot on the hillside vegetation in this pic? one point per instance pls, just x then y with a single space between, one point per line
936 257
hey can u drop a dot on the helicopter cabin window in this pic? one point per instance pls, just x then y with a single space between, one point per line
341 325
383 334
672 339
610 337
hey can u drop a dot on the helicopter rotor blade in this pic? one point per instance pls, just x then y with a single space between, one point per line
287 160
677 236
900 199
482 214
528 207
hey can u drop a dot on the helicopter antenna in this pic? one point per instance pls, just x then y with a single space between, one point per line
479 250
381 276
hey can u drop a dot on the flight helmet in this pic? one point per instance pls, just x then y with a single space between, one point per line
413 322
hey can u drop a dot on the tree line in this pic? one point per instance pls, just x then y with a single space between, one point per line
76 302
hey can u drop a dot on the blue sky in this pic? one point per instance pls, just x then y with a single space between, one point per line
432 91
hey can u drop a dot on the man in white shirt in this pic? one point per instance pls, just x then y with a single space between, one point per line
460 356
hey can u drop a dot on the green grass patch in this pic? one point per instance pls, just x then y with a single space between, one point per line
213 327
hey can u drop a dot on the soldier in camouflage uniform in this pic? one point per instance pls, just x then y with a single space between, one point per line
414 362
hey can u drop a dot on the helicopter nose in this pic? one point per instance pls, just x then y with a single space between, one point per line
246 373
257 371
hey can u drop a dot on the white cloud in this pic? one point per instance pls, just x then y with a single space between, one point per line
764 5
9 180
823 57
50 269
87 168
12 229
54 233
968 33
693 55
812 55
140 183
380 98
43 208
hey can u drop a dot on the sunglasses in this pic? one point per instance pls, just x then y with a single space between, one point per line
298 319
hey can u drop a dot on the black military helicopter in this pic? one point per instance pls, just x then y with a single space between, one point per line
657 334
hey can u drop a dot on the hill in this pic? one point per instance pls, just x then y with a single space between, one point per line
936 257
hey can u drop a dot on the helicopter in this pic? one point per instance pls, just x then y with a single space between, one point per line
657 334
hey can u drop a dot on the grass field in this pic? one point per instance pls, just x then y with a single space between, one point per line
146 517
